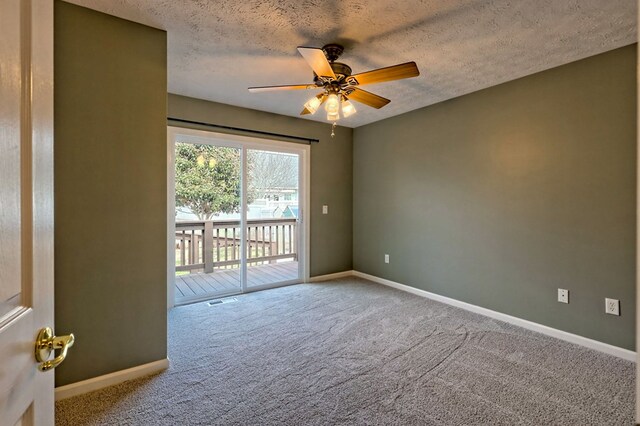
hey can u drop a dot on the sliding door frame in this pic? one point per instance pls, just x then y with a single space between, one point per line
244 143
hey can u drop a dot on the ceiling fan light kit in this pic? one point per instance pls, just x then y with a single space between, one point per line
338 85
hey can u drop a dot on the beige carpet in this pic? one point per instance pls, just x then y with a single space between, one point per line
357 353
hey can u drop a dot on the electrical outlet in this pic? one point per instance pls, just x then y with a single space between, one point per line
563 295
386 258
325 209
612 306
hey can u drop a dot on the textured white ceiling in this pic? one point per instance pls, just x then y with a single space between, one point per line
218 48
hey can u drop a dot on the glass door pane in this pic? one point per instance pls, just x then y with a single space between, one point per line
273 195
208 232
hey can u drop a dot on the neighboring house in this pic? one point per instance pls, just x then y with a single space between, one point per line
290 211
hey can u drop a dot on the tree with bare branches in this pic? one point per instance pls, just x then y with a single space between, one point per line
271 171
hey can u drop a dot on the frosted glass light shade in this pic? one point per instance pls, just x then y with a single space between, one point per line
333 104
348 109
312 104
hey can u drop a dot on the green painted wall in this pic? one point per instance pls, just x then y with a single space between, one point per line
500 197
110 192
331 172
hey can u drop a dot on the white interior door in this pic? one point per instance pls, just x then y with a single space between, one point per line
26 207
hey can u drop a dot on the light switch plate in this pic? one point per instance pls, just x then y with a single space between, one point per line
325 209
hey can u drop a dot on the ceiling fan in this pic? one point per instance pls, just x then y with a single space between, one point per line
338 85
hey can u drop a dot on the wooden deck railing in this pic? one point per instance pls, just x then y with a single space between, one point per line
215 244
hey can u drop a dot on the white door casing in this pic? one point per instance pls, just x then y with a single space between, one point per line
26 207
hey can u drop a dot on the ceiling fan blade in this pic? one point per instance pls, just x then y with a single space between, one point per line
277 88
394 72
367 98
317 61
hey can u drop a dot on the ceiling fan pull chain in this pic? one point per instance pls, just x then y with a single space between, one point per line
333 129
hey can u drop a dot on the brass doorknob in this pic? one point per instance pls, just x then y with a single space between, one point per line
47 343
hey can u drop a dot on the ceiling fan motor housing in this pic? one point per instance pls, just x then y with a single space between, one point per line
342 71
332 51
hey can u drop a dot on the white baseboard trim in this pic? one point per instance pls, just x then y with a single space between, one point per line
328 277
78 388
530 325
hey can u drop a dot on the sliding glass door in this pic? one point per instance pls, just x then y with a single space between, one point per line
208 206
236 206
273 210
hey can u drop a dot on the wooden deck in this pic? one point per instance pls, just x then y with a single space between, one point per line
195 286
